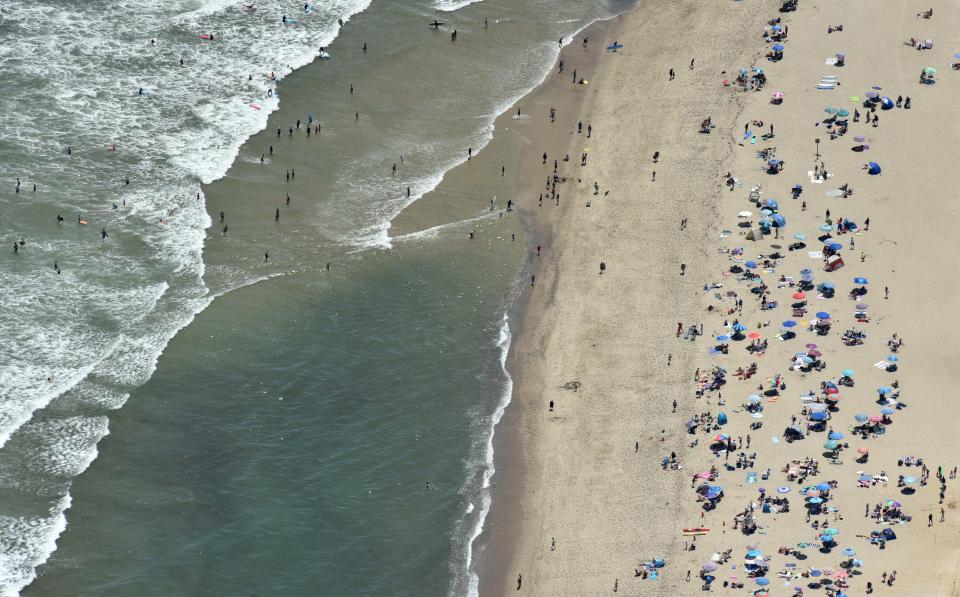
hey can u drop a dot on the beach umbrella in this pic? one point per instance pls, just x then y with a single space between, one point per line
738 327
929 71
861 281
766 212
815 572
799 295
811 346
754 398
847 372
744 214
830 110
772 204
832 531
783 489
722 338
777 48
763 581
860 417
800 236
830 444
777 95
823 486
886 410
826 227
863 451
859 139
806 359
835 435
751 264
709 566
834 246
957 55
872 95
873 168
721 437
827 538
823 315
909 480
894 504
753 335
843 113
779 221
876 419
893 358
816 407
865 477
819 416
789 323
849 552
884 390
776 28
754 553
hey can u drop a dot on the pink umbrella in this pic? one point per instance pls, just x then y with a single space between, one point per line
863 451
876 419
811 346
703 475
777 95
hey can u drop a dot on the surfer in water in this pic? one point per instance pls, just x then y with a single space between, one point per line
436 25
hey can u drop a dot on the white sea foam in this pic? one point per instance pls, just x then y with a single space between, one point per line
73 78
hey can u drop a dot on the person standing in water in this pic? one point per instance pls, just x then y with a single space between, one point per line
276 216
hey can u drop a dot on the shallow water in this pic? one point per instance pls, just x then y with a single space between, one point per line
286 439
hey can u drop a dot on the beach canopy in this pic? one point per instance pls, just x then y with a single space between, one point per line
873 168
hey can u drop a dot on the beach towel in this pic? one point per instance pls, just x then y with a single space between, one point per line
815 254
824 86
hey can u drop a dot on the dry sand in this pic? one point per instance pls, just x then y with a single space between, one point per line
588 475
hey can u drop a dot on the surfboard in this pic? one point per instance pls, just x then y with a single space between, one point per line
324 56
205 36
290 20
84 222
256 106
614 47
695 531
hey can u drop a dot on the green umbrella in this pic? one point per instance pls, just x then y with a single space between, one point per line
929 70
830 444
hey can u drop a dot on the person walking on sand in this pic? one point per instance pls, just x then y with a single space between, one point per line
691 63
519 581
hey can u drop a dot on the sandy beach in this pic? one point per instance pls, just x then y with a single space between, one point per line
605 383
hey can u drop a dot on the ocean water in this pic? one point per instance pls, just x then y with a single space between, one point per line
285 440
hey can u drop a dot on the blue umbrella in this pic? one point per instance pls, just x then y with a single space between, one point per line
835 435
823 315
763 581
860 417
815 500
849 552
783 489
754 398
815 573
806 359
884 390
722 338
861 281
828 286
800 236
886 410
820 416
739 327
834 246
827 538
754 553
772 204
806 271
766 211
778 48
829 445
823 486
826 227
779 221
789 323
893 358
751 264
847 372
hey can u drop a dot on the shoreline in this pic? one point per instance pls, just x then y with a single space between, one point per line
586 475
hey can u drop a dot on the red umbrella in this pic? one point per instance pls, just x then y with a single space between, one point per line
832 390
753 335
799 295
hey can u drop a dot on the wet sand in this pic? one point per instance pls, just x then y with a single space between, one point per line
586 476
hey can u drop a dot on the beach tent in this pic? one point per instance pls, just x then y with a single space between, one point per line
886 103
873 168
